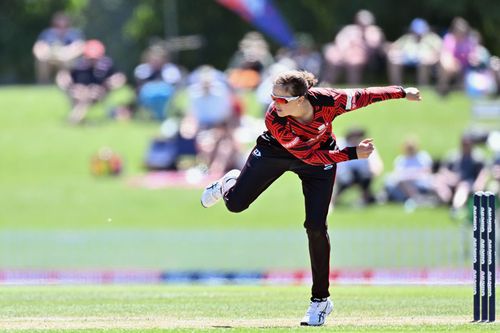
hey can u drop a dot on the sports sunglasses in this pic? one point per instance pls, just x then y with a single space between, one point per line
283 99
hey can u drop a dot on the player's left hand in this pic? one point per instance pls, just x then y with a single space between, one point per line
365 148
413 94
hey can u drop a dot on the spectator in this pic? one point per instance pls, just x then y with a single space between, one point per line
90 80
495 67
463 173
419 48
480 78
356 47
458 44
493 143
360 172
156 79
411 180
213 112
305 56
247 64
56 48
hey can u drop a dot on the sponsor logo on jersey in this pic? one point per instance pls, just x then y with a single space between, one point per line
291 143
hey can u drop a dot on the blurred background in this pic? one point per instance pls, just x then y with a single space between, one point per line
115 114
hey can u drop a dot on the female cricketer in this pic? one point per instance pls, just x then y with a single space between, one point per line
299 138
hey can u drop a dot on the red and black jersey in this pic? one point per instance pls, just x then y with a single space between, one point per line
304 141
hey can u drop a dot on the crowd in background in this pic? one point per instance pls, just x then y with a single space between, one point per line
208 134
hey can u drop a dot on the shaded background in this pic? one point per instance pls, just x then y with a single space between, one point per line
127 27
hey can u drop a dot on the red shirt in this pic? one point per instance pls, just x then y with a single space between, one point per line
304 140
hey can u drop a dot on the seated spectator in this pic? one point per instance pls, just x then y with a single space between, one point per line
419 48
250 60
90 80
458 44
166 152
305 56
56 48
156 80
462 174
495 68
213 112
360 172
356 47
411 179
479 78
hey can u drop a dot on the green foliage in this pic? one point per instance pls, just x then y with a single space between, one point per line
107 21
20 23
142 23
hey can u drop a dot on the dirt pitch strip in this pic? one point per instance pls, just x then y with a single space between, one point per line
166 323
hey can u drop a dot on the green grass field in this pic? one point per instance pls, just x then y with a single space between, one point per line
45 179
234 308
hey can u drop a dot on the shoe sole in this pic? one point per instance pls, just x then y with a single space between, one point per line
306 324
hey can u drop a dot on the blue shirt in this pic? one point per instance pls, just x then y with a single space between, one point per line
54 36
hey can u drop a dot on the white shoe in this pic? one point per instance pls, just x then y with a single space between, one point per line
317 312
215 191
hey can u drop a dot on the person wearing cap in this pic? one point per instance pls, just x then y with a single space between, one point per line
420 48
57 47
90 80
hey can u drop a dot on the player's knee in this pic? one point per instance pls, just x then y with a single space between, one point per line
315 229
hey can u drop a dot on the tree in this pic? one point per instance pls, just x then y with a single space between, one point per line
20 23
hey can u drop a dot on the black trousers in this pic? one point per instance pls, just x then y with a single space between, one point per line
267 162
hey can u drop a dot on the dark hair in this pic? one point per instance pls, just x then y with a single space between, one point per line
297 83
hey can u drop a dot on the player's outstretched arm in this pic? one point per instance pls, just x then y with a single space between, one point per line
352 99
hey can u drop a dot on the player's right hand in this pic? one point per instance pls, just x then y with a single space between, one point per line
365 148
413 94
